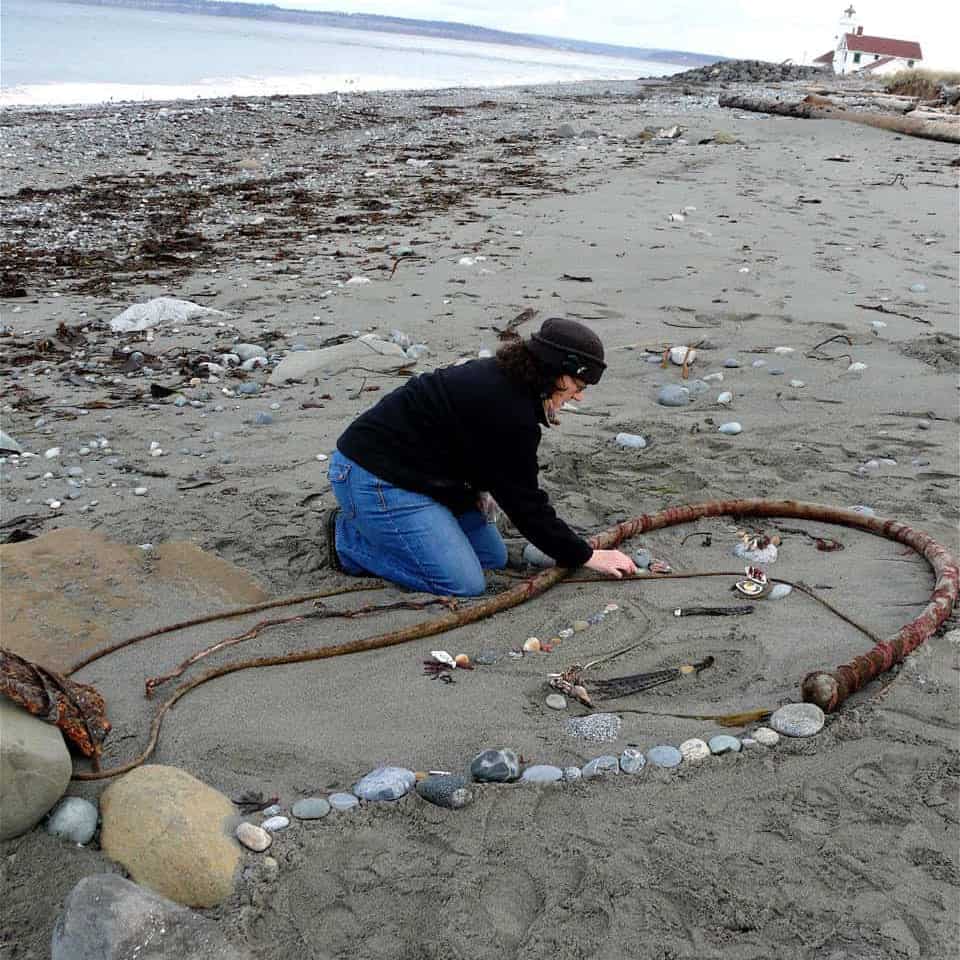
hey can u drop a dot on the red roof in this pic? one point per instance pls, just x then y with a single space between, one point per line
825 58
908 49
873 64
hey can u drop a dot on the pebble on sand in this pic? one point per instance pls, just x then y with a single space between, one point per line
445 791
495 766
731 429
632 760
665 756
693 750
766 736
73 819
385 783
311 808
275 824
601 766
556 701
724 743
541 773
798 720
253 837
341 802
673 395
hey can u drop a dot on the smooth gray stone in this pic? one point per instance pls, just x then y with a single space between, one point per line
73 819
630 441
665 756
600 766
572 773
797 720
536 557
106 917
642 558
495 766
632 760
697 387
248 389
673 395
263 419
731 363
450 791
776 371
35 768
779 590
556 701
385 783
247 351
541 773
311 808
723 743
341 802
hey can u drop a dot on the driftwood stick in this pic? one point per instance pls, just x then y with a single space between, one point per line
944 131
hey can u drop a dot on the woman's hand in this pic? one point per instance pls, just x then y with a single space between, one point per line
611 562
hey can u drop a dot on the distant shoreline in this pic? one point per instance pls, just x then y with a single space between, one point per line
408 26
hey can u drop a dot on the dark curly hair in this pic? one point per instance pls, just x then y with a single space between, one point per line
521 366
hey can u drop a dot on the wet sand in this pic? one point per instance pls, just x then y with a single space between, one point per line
463 209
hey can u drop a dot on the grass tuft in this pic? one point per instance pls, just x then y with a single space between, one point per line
924 84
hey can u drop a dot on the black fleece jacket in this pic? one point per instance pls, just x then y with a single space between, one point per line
459 430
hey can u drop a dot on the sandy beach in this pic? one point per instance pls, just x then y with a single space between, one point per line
445 216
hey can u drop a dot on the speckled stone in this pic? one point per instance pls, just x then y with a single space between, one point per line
253 837
597 727
572 773
275 824
447 791
665 756
694 750
798 720
556 701
495 766
73 819
311 808
541 773
341 802
766 736
601 766
632 760
385 783
724 743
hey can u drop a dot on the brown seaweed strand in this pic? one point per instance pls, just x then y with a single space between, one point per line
223 615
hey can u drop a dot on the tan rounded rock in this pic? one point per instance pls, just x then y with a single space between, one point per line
531 645
172 833
253 837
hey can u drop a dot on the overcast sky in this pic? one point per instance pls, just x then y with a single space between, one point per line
762 29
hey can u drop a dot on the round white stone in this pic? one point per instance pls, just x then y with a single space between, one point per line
766 736
694 750
798 720
556 701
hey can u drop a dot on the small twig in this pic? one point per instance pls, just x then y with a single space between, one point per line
699 533
812 352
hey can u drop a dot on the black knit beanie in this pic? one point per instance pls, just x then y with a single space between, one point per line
565 346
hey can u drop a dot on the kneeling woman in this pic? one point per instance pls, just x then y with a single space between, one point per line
412 473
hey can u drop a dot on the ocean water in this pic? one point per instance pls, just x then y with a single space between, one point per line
60 53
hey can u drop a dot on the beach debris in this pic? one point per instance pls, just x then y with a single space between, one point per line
572 680
541 773
495 766
73 819
556 701
673 395
252 801
856 367
669 133
531 645
441 656
759 362
601 767
311 808
797 720
723 743
712 611
486 657
756 546
343 802
447 791
630 441
694 750
632 760
385 783
144 316
664 756
596 727
78 709
731 429
253 837
713 377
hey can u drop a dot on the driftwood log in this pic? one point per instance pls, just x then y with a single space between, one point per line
943 131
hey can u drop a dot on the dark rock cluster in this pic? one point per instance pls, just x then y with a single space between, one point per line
747 71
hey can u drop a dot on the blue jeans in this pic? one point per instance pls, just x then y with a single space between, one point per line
409 538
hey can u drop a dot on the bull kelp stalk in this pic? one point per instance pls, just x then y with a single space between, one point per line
826 689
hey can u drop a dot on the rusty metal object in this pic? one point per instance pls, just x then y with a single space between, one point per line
76 708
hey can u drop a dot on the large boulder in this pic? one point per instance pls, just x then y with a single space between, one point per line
35 768
172 833
108 918
369 351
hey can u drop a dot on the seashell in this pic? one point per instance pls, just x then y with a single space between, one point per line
441 656
749 588
725 398
682 355
463 661
531 645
